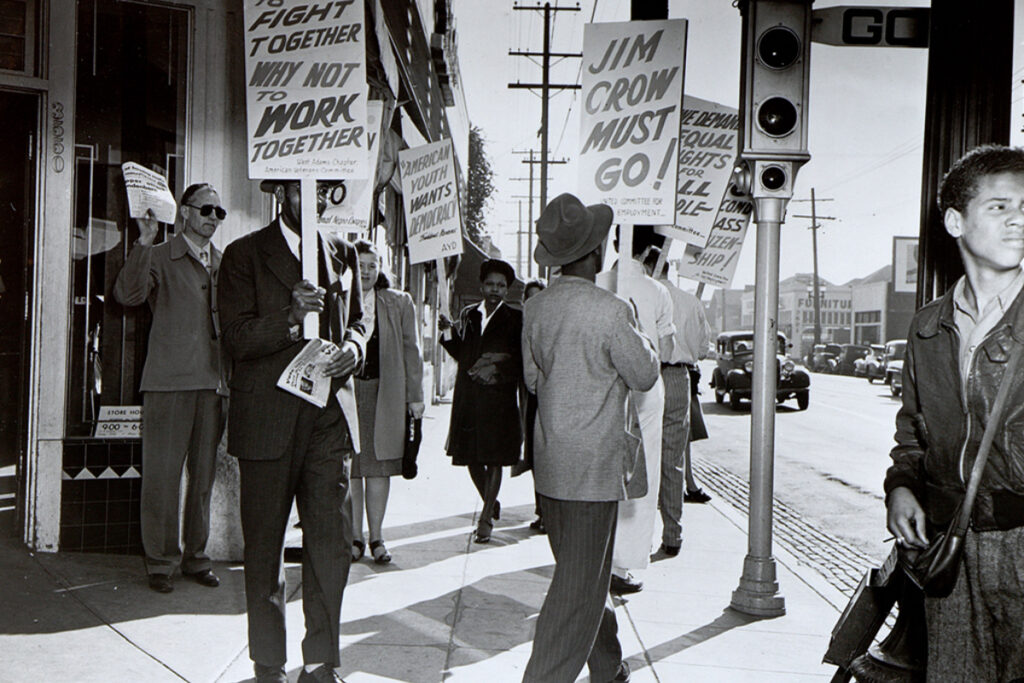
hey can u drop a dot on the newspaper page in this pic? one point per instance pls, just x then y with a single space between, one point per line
305 376
148 190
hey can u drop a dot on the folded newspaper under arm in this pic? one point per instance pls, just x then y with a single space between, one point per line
305 376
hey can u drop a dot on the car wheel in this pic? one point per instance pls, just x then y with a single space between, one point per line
803 399
734 401
871 380
894 390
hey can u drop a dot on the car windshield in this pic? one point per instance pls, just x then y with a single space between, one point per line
742 345
896 350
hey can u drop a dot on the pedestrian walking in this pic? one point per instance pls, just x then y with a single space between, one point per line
689 345
485 433
389 388
653 305
183 388
957 350
289 449
582 354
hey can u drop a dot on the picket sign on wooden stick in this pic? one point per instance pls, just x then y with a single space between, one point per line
625 254
443 302
311 323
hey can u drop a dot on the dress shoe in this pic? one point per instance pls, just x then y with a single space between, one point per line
696 495
670 550
270 674
321 674
161 583
625 586
622 675
204 577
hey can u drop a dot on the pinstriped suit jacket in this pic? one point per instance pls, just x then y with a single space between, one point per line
257 273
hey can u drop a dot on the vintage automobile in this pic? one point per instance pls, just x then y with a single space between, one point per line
849 354
733 373
823 358
871 366
892 361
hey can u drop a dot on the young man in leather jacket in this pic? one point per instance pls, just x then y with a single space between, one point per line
957 349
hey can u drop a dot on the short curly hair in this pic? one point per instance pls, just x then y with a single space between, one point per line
496 265
960 184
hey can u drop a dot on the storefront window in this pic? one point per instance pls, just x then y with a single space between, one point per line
17 35
132 95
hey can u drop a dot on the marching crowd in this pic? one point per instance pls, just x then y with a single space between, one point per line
600 383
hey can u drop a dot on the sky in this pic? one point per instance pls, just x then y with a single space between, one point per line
866 125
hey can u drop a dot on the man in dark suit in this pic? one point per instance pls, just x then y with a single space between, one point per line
287 447
182 383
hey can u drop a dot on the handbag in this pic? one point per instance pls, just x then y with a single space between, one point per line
935 569
413 437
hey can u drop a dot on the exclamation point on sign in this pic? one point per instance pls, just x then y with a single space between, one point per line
669 155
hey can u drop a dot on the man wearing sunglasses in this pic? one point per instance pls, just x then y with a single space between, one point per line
182 383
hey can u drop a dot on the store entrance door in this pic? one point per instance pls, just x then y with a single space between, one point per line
19 112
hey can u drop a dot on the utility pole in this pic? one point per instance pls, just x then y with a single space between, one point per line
814 250
529 228
545 87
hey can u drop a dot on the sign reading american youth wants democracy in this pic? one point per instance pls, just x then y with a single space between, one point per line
632 94
305 73
431 199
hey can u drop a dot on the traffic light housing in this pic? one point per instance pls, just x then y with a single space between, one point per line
775 76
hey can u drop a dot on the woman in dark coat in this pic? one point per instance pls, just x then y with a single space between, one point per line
486 431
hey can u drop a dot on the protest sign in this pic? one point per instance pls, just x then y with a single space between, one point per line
715 263
305 74
632 93
148 190
430 195
708 144
349 204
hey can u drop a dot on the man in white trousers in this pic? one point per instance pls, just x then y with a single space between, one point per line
653 305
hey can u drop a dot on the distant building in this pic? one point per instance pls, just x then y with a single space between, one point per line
879 312
725 310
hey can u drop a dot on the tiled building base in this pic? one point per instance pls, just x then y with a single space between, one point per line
100 496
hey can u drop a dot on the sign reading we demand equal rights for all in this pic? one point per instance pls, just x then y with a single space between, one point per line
632 95
305 72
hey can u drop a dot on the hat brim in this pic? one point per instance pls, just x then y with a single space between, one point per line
600 216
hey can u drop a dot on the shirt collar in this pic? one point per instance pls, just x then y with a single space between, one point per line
195 248
483 309
291 239
1003 299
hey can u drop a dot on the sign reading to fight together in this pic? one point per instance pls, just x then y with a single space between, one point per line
631 98
305 74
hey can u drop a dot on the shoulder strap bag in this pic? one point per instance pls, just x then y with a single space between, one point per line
935 569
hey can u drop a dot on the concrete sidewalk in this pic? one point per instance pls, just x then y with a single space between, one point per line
444 609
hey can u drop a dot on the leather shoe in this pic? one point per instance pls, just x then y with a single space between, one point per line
622 675
624 586
204 577
670 550
321 674
161 583
269 674
696 495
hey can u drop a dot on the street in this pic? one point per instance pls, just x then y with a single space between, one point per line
830 460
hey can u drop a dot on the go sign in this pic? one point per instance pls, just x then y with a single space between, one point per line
871 26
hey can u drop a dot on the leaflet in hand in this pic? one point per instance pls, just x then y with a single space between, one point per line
148 190
305 376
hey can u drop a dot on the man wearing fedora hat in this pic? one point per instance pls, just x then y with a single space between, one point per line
288 448
582 354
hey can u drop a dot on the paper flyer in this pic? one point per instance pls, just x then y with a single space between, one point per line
304 376
148 190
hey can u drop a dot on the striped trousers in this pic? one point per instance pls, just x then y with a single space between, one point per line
577 620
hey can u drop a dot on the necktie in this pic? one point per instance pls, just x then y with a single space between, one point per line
204 258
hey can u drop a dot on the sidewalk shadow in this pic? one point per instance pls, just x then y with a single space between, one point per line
728 620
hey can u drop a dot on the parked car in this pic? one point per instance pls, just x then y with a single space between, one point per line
892 362
824 358
849 354
871 365
733 374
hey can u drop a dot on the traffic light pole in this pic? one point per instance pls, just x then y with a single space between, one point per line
758 592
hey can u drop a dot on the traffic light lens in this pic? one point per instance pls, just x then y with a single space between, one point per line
773 178
778 48
777 116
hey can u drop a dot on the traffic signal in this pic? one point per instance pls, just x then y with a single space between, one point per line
776 66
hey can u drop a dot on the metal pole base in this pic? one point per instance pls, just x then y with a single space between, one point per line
758 592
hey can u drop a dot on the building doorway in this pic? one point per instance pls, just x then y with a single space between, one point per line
19 112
